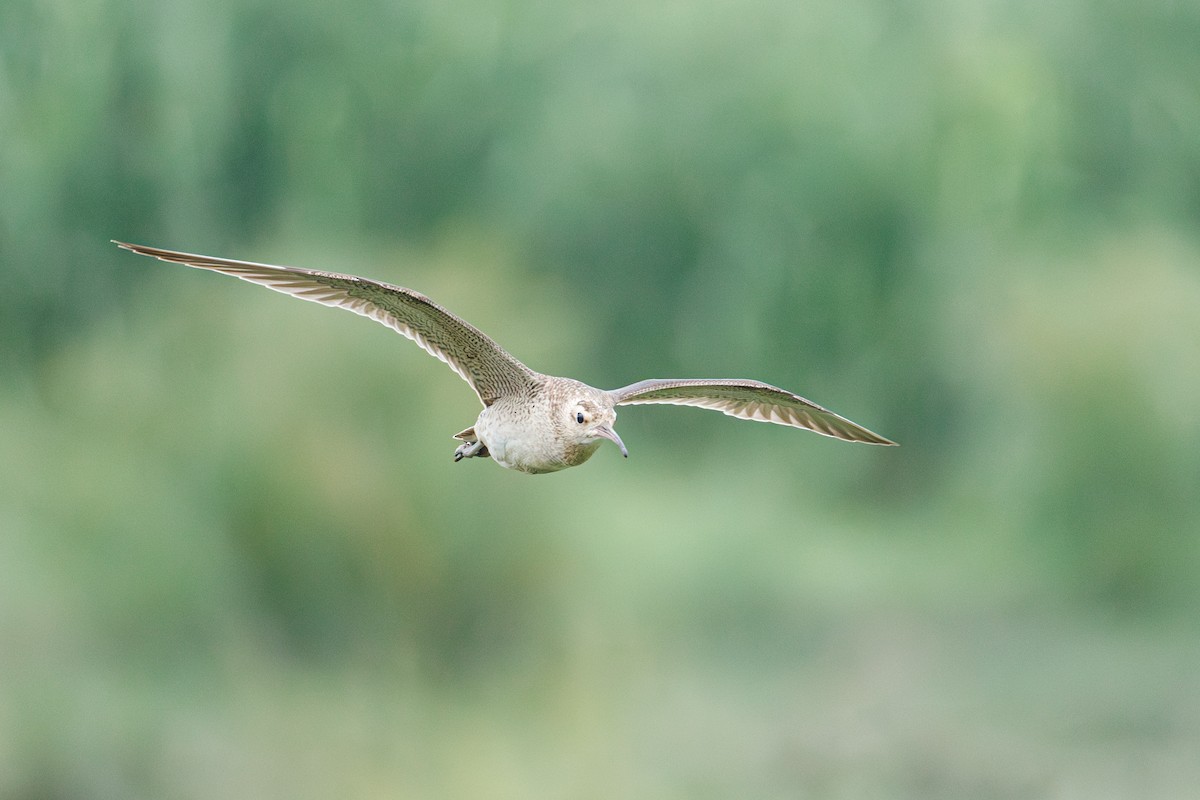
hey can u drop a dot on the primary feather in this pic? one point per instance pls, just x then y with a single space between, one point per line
748 400
488 368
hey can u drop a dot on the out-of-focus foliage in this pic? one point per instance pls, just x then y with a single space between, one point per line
237 561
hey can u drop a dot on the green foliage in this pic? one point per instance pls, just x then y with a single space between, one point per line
235 556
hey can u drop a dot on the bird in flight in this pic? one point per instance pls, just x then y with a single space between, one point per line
530 422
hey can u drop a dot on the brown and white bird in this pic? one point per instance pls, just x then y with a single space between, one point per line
530 422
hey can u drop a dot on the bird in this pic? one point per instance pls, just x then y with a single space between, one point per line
531 423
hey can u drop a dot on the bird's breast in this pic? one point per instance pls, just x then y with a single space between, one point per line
515 440
524 440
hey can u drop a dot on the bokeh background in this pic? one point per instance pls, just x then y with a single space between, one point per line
236 559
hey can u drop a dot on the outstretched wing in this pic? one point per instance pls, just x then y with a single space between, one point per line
490 370
748 400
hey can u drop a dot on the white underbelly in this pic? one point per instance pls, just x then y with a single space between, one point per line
516 446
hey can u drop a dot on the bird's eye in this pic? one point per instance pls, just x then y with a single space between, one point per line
579 417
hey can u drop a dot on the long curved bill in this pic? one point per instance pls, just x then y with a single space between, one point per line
607 432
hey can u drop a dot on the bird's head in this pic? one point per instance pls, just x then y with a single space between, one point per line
588 416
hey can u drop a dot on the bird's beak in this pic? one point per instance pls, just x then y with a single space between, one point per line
607 432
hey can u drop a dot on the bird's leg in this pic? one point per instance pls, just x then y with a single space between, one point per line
470 446
470 450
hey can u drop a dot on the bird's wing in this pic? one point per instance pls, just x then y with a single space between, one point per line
490 370
748 400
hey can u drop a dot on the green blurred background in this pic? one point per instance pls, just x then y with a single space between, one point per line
236 559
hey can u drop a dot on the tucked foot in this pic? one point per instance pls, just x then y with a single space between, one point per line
470 450
470 447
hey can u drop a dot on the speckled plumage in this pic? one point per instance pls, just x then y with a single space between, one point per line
530 422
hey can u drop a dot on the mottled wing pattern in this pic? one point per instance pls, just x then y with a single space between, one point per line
748 400
482 363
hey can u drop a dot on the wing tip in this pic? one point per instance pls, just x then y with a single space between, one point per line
145 249
879 440
846 431
853 432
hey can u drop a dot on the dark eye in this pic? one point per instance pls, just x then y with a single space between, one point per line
579 417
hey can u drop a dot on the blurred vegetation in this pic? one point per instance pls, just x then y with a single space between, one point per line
237 561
